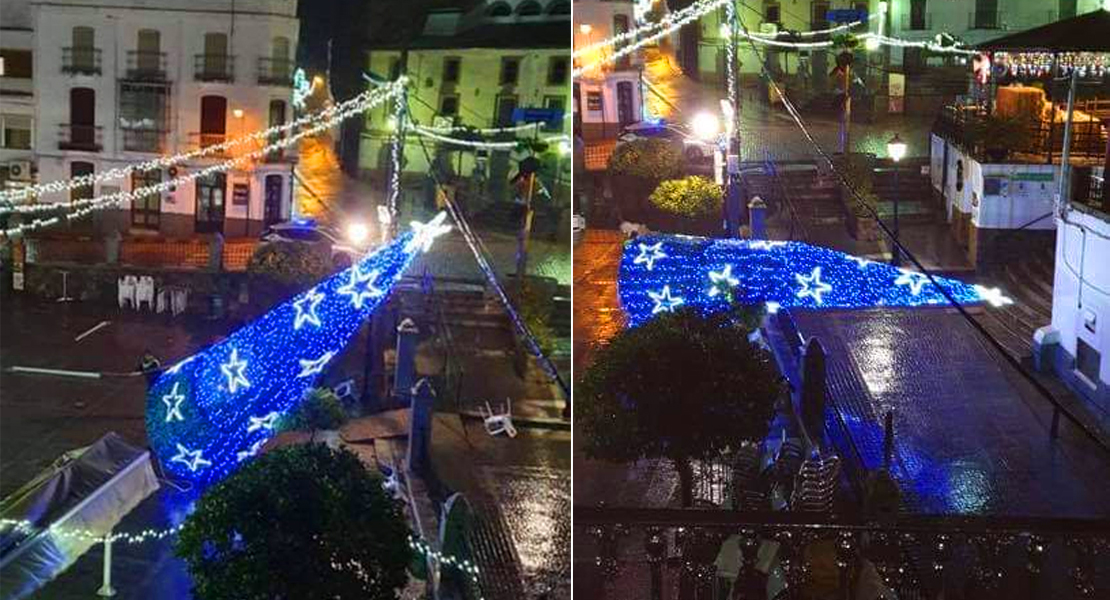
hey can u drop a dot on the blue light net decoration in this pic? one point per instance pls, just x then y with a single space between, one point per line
212 411
662 273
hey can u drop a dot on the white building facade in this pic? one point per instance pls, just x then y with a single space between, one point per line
17 95
125 81
610 97
473 69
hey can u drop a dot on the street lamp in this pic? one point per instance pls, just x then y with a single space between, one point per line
706 126
896 149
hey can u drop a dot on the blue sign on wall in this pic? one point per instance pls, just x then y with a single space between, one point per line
552 116
846 15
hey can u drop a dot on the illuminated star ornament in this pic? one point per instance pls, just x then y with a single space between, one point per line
306 309
212 412
361 287
173 402
233 371
789 275
649 254
812 286
426 233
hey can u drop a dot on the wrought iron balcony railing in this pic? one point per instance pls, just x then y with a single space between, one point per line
214 67
88 138
146 66
81 61
207 140
1030 141
143 140
275 71
717 554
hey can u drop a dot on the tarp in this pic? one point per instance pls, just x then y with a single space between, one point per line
1085 33
87 491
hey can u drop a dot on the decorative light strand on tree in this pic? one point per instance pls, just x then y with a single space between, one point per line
395 155
85 207
464 566
364 100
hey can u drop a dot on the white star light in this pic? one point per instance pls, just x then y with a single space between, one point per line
264 422
233 370
312 367
190 458
173 402
253 450
861 261
765 245
812 286
656 251
312 299
361 287
723 276
664 302
993 295
914 280
426 233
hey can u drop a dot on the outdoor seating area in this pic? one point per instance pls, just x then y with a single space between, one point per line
140 292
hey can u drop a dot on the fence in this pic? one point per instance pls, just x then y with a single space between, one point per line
1036 141
151 253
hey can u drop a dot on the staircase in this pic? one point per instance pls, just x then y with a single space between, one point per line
1028 281
905 183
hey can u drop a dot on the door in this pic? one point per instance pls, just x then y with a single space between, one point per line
505 107
625 108
82 117
211 197
277 117
146 210
213 120
917 15
149 51
215 55
271 211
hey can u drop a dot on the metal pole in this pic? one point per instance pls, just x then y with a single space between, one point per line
734 197
896 258
846 114
525 234
1065 157
106 590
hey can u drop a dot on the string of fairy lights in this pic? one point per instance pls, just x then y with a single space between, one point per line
25 527
359 103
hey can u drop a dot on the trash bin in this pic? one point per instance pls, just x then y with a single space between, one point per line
215 306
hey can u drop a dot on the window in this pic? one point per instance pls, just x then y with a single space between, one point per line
918 21
558 103
500 9
559 8
593 101
510 70
142 115
449 106
83 57
215 63
80 169
557 70
506 104
15 132
1087 360
146 210
771 14
1067 8
451 68
213 120
529 9
820 17
986 14
17 63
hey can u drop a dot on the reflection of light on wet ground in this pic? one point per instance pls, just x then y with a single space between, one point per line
969 488
536 505
876 357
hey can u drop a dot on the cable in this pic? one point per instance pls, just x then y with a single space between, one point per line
1041 389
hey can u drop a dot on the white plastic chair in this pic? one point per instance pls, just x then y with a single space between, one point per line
127 291
497 424
180 299
144 292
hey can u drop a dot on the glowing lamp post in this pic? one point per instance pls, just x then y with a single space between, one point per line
705 126
896 150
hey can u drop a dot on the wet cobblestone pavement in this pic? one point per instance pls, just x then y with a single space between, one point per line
970 438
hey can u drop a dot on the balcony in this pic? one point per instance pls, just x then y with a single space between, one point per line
143 140
984 19
87 138
81 61
1029 142
214 67
199 141
146 66
275 71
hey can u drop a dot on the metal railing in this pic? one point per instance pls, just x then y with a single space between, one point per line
275 71
205 140
214 67
1037 141
81 61
713 554
89 138
143 140
146 66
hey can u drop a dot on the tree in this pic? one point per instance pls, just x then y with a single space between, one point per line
682 386
692 197
290 263
301 522
637 167
321 409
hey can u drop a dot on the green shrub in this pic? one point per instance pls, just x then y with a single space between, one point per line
650 159
290 263
321 409
692 196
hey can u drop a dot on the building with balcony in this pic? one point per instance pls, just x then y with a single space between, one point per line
122 82
474 67
608 97
17 96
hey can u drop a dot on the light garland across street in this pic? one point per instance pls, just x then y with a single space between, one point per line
363 100
90 205
506 145
694 11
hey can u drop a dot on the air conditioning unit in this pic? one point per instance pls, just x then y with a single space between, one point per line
769 28
19 170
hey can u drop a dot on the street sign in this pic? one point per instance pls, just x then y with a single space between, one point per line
552 116
846 15
240 194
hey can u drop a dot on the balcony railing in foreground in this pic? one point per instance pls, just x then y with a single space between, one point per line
1020 141
275 71
682 554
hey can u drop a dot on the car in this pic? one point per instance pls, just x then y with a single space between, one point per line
693 149
307 231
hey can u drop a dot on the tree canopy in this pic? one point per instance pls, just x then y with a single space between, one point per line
692 196
681 386
650 159
303 522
